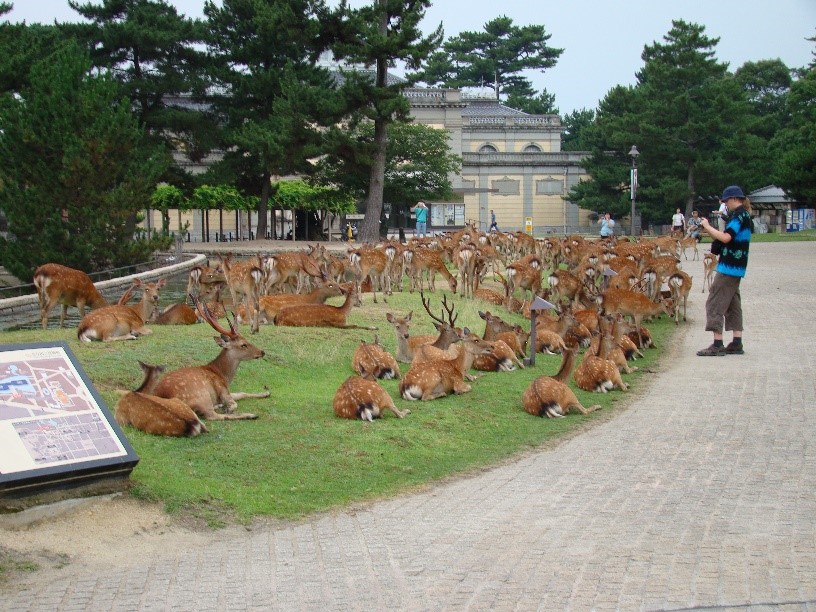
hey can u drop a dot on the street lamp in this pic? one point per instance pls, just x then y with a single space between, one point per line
633 182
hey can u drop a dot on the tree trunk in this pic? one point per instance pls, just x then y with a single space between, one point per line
692 190
263 208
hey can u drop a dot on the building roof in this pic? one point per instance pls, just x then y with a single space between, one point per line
480 107
770 194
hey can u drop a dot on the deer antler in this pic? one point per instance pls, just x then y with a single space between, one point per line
207 316
451 317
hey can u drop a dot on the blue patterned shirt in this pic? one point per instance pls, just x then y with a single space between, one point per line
734 256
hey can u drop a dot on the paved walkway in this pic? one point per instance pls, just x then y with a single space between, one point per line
702 495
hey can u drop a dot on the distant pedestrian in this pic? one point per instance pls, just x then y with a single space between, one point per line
722 214
493 226
678 223
724 305
693 226
421 218
607 226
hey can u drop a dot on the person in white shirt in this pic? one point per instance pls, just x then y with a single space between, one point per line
721 215
678 222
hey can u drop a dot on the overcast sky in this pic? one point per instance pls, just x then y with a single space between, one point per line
602 39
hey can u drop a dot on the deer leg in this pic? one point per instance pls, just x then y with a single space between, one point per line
400 414
461 387
239 395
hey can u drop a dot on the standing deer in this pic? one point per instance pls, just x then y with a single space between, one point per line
633 304
371 361
120 321
244 280
466 262
358 398
205 388
550 396
58 284
434 379
320 315
680 286
373 264
155 415
709 268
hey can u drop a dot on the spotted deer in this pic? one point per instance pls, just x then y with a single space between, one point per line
155 415
449 334
430 261
320 315
680 285
244 281
501 359
466 258
435 379
359 398
271 305
633 304
206 388
371 263
549 396
120 321
596 372
371 361
58 284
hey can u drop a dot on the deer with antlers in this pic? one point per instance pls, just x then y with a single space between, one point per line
58 284
371 361
358 398
206 388
434 379
320 315
155 415
120 321
549 396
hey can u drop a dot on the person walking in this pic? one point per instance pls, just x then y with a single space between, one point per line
493 226
724 306
421 218
607 225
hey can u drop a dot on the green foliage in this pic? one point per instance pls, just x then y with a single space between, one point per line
298 457
212 197
75 170
575 123
299 195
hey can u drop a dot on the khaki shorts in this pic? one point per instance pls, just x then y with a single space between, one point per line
724 305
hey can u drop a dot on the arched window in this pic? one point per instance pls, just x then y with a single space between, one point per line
532 148
488 148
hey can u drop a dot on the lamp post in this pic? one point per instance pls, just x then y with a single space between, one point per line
633 182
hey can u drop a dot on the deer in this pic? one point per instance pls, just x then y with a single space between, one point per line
549 396
58 284
182 314
290 270
596 372
204 276
633 304
564 285
524 276
320 315
155 415
371 361
434 379
244 281
120 321
271 305
710 261
422 260
615 326
683 245
513 336
466 258
407 344
206 388
501 359
680 285
359 398
374 264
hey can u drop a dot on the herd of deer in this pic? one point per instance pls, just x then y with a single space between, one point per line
603 291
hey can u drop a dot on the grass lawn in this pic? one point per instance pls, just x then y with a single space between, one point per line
298 458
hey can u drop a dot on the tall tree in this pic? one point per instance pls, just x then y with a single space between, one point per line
525 99
270 97
380 35
575 123
496 56
74 167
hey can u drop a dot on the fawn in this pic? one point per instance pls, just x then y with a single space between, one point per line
358 398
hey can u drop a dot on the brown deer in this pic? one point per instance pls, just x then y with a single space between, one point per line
709 268
434 379
244 281
689 242
430 261
205 388
501 359
373 264
358 398
564 285
58 284
466 258
523 276
513 336
550 396
271 305
154 415
120 321
202 276
680 285
597 373
407 344
371 361
320 315
633 304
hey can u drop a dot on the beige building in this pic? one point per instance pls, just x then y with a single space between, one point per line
512 163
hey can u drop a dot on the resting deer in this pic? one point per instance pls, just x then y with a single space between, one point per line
58 284
155 415
182 314
440 347
358 398
501 359
320 315
271 305
597 373
120 321
205 388
434 379
550 396
371 361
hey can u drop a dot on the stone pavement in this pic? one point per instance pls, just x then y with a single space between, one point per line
700 495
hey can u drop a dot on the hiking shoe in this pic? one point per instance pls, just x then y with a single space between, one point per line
712 351
734 349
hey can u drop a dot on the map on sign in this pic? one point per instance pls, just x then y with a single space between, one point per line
48 415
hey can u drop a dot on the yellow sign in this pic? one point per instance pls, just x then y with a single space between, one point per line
528 225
